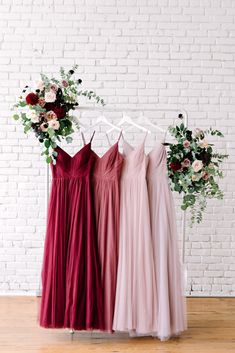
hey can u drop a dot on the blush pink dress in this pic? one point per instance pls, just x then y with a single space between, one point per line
171 318
106 188
136 297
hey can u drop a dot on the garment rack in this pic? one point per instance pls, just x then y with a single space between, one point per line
121 110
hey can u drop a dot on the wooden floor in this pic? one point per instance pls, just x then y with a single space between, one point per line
211 330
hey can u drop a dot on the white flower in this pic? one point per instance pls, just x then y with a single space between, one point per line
32 115
50 115
50 96
54 124
196 177
40 85
197 165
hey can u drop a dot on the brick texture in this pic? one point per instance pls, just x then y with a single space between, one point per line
150 54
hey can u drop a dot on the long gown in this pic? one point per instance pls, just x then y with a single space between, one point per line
71 286
136 298
106 188
171 305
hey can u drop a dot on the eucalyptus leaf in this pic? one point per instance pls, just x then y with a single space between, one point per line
16 117
48 159
27 128
47 143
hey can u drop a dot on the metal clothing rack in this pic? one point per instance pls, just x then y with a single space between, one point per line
121 110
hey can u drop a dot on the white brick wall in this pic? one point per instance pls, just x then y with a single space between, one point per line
165 53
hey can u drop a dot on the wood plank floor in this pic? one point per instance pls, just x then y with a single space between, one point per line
211 330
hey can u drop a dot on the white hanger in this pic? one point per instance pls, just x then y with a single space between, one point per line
126 119
102 119
82 127
145 120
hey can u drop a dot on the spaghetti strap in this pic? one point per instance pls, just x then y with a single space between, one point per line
120 136
108 139
145 136
83 138
92 136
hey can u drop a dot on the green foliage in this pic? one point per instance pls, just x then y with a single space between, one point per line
48 136
90 95
196 185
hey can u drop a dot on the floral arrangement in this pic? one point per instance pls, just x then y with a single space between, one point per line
46 109
193 167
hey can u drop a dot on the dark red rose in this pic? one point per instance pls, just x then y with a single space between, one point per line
49 106
175 166
32 99
59 111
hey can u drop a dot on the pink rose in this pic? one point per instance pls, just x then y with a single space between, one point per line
186 163
197 165
53 87
54 124
41 102
186 144
50 97
64 83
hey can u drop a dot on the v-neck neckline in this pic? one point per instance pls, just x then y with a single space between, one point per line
102 157
133 148
72 157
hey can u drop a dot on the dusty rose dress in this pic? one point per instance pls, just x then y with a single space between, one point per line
71 278
106 188
171 319
136 298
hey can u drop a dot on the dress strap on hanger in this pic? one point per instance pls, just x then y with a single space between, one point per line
92 136
83 138
145 136
120 135
108 139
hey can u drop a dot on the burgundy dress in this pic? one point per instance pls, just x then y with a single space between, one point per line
106 180
71 285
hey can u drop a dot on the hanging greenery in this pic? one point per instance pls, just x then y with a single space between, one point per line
194 168
46 109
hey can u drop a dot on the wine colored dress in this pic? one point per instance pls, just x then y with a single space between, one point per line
71 285
106 187
171 305
136 298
